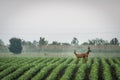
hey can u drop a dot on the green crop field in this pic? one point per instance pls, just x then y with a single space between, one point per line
42 68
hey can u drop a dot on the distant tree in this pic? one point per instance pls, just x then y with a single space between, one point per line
56 43
42 41
98 41
23 42
67 44
114 41
91 42
15 45
27 43
74 41
35 43
85 43
1 43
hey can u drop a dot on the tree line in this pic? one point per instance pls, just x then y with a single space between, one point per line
16 44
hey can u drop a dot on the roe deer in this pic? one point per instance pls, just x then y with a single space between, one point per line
82 55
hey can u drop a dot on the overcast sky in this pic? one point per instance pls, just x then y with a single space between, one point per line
59 20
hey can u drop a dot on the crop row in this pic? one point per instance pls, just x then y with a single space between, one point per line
59 69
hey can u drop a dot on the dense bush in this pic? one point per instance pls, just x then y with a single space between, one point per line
15 45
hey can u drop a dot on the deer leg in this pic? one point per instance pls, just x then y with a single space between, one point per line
77 61
86 58
83 60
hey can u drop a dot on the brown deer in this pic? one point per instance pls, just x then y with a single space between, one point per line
82 55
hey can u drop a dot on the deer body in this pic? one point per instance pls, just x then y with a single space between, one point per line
82 55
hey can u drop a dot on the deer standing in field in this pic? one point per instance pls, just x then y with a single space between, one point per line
82 55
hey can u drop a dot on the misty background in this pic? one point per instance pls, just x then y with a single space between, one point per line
59 20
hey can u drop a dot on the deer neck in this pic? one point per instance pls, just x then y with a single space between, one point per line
88 52
75 53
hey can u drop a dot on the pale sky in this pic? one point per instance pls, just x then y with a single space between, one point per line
59 20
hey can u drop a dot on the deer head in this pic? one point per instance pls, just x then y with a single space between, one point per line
89 49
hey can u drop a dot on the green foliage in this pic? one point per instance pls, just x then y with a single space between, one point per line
35 43
98 41
56 43
44 72
55 72
15 45
74 41
117 71
68 72
18 72
67 44
94 70
27 43
81 72
8 70
42 41
28 75
24 68
106 70
85 43
114 41
1 43
2 67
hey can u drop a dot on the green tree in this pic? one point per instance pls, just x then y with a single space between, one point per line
67 44
27 43
91 42
35 43
23 42
42 41
98 41
1 43
85 43
56 43
114 41
74 41
15 45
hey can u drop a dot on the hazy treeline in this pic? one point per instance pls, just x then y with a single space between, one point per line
97 45
80 48
74 41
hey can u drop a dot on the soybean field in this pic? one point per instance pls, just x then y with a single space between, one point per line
43 68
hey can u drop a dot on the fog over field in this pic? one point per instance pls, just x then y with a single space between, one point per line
59 20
